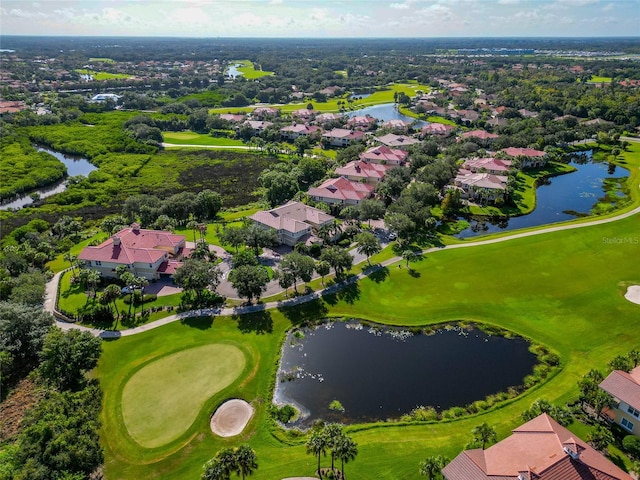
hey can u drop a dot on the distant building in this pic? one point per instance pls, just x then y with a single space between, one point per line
360 170
392 140
541 449
386 155
530 157
341 137
103 97
341 191
291 132
151 254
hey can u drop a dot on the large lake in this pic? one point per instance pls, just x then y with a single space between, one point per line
75 166
558 199
381 373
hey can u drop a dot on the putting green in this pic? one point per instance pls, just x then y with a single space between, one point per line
161 400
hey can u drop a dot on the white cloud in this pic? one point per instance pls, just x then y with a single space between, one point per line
399 6
276 2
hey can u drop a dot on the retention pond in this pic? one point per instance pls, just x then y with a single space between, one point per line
379 373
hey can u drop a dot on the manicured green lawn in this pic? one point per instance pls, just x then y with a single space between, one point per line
103 75
249 71
163 398
598 79
192 138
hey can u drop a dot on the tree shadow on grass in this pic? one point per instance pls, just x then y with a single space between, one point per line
256 322
347 291
307 313
203 322
414 273
377 274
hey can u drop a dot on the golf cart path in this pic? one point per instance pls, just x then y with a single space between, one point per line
52 286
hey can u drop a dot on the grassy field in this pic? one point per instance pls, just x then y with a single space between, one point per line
192 138
598 79
101 59
248 70
102 75
161 399
331 105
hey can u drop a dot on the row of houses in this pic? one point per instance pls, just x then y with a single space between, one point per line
486 179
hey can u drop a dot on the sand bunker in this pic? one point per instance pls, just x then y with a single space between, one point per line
633 294
231 417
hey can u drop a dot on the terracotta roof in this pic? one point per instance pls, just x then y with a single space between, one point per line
301 128
540 449
384 153
292 217
362 169
525 152
344 133
482 180
438 129
393 140
232 117
258 124
135 245
624 386
481 134
491 164
342 189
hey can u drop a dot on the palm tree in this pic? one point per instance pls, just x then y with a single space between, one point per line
71 258
214 470
483 434
140 282
345 451
431 466
110 295
334 435
317 445
193 226
246 459
409 256
93 278
227 460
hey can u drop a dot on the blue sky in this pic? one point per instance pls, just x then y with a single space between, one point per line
321 18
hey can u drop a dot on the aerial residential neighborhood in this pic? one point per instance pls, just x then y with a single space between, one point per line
319 240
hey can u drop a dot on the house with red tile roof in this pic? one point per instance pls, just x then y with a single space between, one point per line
341 191
294 222
362 122
12 106
541 449
625 389
232 117
304 114
396 125
439 129
291 132
341 137
392 140
385 155
497 166
146 253
480 135
481 186
257 126
363 171
325 118
529 157
265 112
